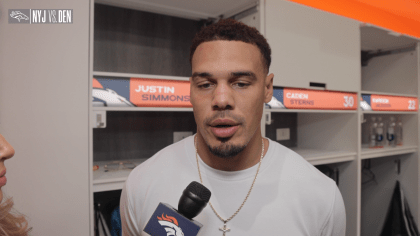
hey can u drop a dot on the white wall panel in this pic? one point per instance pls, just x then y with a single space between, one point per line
310 45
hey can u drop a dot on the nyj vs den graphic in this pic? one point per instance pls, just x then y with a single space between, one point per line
41 16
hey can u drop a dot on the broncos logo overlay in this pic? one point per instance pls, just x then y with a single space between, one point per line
274 103
171 225
109 97
365 106
19 15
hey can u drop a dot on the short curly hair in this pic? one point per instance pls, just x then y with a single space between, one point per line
232 30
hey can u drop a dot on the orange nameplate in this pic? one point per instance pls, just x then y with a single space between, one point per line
390 103
141 92
159 93
322 100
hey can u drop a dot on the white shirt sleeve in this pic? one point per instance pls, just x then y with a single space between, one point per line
336 222
128 219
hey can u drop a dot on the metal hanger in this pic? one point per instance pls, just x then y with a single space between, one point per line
366 171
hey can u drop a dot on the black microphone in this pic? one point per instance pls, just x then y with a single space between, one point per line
166 220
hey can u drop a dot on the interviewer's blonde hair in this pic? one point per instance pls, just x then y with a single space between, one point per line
12 223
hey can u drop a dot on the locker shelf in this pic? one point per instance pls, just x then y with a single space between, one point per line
320 157
389 94
180 109
391 112
112 180
279 110
195 10
131 75
387 151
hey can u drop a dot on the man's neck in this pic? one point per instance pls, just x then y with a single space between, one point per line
249 157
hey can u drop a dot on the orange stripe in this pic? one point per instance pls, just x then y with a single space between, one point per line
399 16
96 84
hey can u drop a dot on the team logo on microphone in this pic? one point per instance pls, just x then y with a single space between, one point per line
171 226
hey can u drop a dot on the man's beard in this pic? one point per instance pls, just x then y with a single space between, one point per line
226 150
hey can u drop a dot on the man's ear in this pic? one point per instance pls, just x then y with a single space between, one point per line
268 88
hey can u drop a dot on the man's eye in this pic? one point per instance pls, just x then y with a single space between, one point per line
241 85
206 85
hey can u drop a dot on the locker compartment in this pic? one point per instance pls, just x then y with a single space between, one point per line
320 138
107 220
409 134
140 42
312 48
134 135
131 138
389 62
378 180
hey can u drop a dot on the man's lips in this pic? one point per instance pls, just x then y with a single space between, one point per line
223 122
224 128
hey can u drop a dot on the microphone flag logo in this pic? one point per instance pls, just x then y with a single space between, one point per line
167 221
171 226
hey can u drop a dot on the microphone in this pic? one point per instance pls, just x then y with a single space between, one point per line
166 220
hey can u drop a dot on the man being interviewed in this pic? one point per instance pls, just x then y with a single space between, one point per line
258 186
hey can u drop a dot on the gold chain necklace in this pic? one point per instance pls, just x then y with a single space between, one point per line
225 229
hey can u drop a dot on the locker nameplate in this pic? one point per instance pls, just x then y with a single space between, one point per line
288 98
141 92
373 102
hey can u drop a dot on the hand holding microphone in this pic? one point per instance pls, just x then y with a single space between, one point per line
166 220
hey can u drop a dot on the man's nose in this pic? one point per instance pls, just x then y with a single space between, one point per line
223 97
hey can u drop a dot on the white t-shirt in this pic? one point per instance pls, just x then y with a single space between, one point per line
290 196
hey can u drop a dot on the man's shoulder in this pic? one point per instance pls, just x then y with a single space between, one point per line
299 172
298 166
309 191
172 158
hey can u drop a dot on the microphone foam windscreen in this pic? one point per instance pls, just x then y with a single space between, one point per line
199 190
